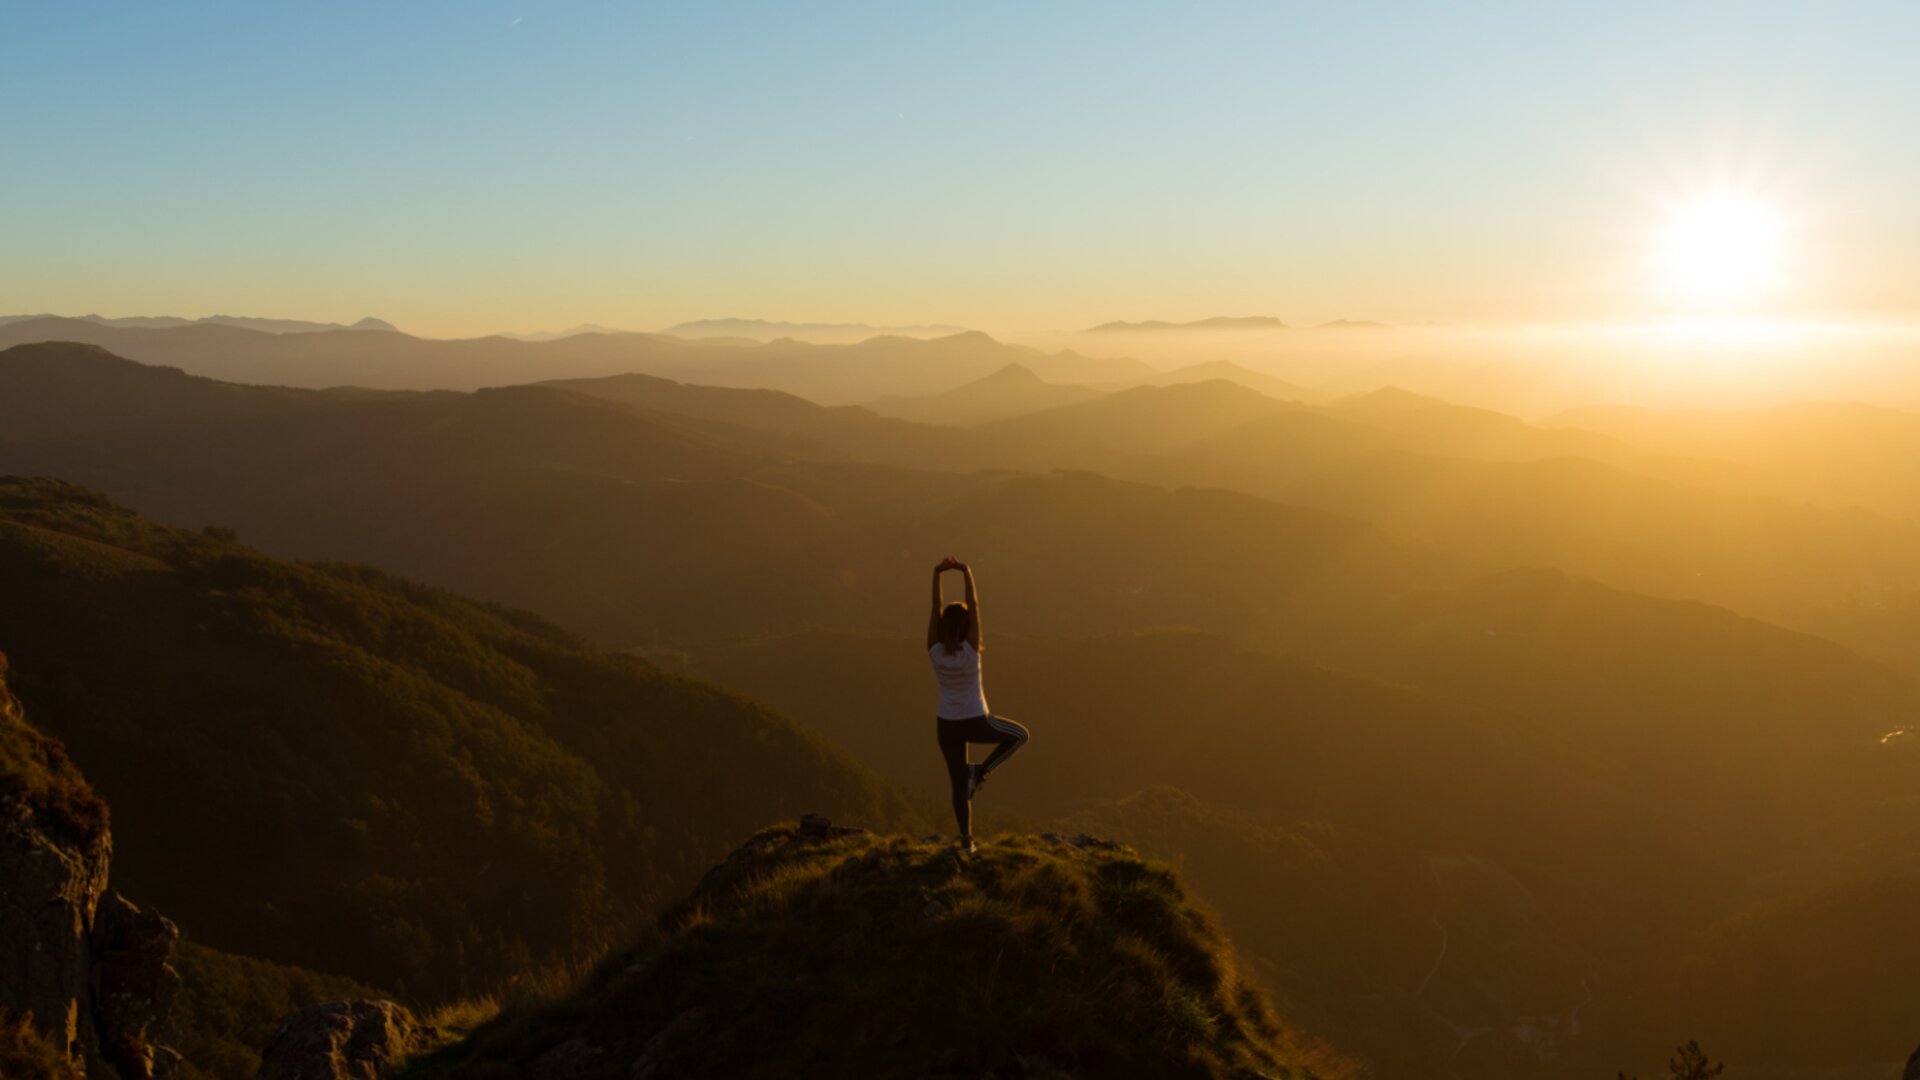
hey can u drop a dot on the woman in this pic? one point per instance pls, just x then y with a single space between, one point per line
953 641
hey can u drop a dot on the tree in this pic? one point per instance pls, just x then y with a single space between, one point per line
1691 1064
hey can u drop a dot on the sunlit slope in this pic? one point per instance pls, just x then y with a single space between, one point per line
328 766
1831 453
865 955
1479 481
1391 954
1747 730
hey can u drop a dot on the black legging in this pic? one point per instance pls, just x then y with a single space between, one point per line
1006 736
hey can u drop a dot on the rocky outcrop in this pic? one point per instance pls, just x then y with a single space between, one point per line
342 1040
91 968
133 988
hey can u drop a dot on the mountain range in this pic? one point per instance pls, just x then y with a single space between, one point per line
1501 748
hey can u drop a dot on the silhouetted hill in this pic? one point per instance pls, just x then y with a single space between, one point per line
1010 391
835 952
1232 372
848 432
270 326
1218 322
626 523
331 767
1145 419
822 333
834 374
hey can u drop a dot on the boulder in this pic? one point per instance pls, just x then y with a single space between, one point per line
133 988
53 876
48 894
342 1040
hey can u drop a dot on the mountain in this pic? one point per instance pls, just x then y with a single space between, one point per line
830 951
833 374
323 765
1530 797
1829 453
583 328
1234 373
819 333
1474 480
629 525
1218 322
270 326
1142 420
1010 391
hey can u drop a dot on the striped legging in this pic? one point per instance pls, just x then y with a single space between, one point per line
1007 738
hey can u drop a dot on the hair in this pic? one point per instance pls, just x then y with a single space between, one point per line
955 620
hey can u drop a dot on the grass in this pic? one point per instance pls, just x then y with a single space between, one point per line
34 769
864 955
26 1054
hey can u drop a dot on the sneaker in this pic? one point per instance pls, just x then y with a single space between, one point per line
975 779
966 845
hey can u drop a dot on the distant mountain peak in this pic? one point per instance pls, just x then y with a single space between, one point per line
819 333
1014 373
244 322
1218 322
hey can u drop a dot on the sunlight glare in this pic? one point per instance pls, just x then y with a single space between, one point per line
1722 249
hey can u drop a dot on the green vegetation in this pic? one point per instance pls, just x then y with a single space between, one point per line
230 1006
326 766
35 771
862 955
26 1054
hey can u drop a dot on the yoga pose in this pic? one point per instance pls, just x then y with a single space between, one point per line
953 641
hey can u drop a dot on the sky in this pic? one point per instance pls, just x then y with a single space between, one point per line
510 165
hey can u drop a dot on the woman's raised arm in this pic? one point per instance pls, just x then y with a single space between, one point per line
973 605
933 619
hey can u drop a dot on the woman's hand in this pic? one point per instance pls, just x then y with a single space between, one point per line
949 563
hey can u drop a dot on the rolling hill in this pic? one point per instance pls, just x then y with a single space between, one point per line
326 766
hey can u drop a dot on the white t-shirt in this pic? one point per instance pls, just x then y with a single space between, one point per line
961 697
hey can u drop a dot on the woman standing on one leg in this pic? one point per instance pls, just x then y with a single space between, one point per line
953 641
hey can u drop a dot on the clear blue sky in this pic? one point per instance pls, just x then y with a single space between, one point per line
462 167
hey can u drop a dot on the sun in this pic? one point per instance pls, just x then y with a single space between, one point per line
1722 250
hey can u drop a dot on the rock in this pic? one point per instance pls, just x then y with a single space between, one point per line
133 988
48 895
92 970
817 827
650 1065
342 1040
570 1060
1083 842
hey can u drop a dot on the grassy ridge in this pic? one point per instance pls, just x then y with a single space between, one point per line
36 771
865 955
